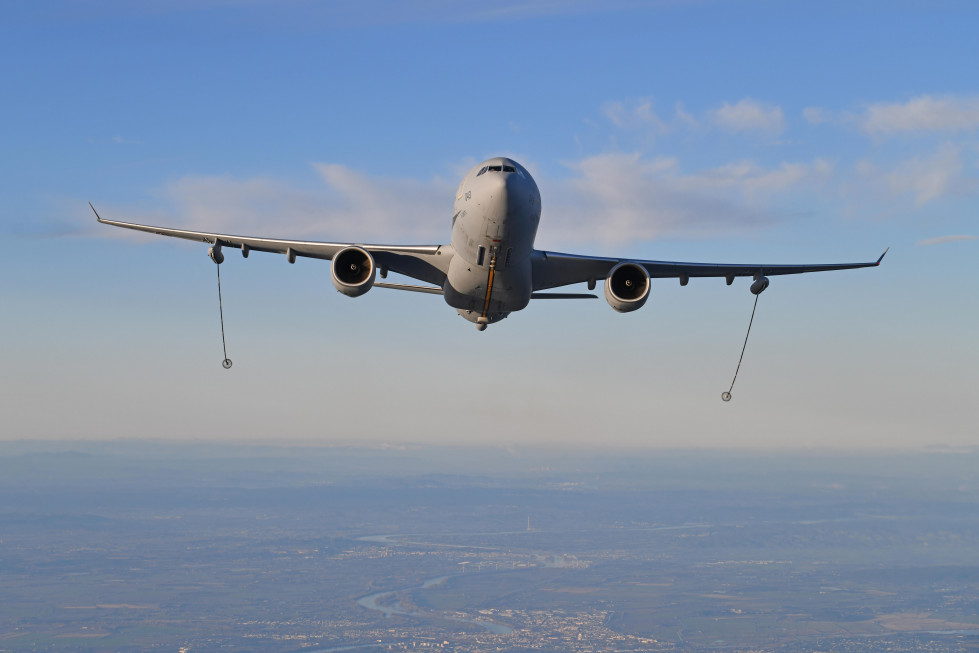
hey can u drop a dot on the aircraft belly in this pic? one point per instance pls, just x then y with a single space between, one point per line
466 287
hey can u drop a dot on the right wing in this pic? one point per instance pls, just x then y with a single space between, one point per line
427 263
555 269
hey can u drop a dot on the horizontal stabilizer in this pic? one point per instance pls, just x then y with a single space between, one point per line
562 295
431 290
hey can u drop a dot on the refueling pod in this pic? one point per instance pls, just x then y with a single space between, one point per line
216 254
627 287
353 271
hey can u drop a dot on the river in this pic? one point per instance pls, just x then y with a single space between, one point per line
379 602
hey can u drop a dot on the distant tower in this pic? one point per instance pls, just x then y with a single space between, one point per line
528 524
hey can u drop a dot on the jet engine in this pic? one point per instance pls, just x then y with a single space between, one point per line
627 287
353 271
758 287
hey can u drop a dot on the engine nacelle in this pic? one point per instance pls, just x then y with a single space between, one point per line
353 271
758 287
627 287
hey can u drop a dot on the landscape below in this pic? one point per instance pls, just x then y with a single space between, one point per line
130 546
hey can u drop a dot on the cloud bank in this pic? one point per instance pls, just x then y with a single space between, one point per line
927 178
749 115
610 198
617 198
924 113
746 115
347 205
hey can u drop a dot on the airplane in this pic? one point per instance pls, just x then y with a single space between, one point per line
490 267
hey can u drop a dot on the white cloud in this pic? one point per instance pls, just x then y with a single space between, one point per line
923 113
381 207
816 115
609 198
641 114
750 179
749 115
926 178
941 240
613 198
346 206
684 117
617 198
932 177
746 115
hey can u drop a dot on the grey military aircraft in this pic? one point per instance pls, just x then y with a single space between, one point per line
490 268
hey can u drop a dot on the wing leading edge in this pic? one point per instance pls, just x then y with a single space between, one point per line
555 269
422 262
427 262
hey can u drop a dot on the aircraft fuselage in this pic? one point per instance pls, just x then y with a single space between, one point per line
497 212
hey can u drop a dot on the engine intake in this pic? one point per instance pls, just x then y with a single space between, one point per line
353 271
627 287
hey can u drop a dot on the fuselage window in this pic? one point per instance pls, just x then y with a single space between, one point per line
480 255
485 168
509 251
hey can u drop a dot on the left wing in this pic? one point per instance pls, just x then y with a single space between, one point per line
554 269
427 263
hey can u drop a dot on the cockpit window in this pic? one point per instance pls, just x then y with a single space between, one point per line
499 168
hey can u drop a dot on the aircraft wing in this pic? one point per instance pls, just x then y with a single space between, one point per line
424 262
554 269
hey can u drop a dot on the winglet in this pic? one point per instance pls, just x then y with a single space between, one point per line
878 260
99 218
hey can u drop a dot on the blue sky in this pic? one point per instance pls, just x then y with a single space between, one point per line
702 131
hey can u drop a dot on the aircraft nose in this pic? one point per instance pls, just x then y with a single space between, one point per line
497 193
507 194
495 183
